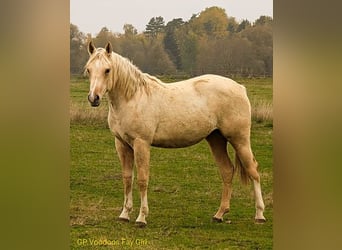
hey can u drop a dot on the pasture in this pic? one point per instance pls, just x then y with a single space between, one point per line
184 189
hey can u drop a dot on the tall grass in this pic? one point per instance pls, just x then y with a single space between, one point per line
262 110
84 114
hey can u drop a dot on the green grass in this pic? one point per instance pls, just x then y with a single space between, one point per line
184 192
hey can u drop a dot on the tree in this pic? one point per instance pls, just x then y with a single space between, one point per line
188 45
264 20
129 31
212 22
105 36
156 60
170 41
132 47
229 56
155 26
78 54
243 25
232 25
262 42
210 42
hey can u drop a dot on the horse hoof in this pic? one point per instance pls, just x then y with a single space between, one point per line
123 219
228 222
140 224
218 220
260 221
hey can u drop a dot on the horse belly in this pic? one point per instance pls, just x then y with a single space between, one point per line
182 133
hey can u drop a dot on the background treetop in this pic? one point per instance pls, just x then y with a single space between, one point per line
209 42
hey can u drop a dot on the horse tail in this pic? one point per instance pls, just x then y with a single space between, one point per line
242 170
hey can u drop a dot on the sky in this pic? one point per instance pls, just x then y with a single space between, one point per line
92 15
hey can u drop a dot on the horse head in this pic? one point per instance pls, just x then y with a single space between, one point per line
99 71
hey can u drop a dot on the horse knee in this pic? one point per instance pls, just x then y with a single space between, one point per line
127 180
142 184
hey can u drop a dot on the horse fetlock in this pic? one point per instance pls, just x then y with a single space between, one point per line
226 210
260 207
144 211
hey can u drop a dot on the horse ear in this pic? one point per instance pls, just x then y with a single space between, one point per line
91 48
109 48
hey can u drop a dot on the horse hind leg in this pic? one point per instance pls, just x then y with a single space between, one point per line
218 146
248 169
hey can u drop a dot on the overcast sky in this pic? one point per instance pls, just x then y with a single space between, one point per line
91 15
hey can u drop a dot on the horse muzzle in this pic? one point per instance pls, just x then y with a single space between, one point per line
94 100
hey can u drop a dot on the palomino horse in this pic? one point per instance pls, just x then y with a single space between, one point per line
145 112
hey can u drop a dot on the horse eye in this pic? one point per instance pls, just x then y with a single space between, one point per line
88 71
107 71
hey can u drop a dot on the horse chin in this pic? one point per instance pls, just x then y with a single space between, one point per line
95 104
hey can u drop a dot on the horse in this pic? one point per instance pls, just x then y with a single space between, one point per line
145 112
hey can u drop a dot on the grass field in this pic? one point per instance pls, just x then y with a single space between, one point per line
184 189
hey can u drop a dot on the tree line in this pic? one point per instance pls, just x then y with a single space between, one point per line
210 42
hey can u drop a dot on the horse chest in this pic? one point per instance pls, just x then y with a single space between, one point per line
127 127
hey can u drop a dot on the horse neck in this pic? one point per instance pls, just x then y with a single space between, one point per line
127 79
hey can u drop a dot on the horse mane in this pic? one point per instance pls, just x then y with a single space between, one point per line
126 77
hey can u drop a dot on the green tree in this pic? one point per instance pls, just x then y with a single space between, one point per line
170 41
155 26
188 45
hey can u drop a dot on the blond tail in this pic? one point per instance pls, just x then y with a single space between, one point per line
242 170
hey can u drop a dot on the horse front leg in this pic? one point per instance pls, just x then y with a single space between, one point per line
126 157
142 161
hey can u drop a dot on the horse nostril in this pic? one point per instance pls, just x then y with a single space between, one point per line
94 100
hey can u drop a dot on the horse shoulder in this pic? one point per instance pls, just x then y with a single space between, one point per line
134 119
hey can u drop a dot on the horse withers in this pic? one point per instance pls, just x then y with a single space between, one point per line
145 112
